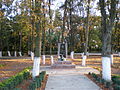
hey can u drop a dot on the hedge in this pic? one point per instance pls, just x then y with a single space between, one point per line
37 81
115 81
12 82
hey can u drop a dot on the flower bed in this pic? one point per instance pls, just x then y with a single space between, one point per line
12 82
115 83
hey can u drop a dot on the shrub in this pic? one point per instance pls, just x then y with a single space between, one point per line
117 87
12 82
37 81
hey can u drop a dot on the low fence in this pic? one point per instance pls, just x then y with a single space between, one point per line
96 54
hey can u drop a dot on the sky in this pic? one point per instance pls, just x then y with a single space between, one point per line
57 4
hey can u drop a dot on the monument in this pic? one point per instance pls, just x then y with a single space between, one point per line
62 63
62 51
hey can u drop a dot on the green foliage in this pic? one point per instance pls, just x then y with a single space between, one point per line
1 65
117 87
12 82
37 81
115 83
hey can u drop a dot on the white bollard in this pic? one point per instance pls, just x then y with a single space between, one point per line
0 53
36 67
84 60
43 59
32 55
111 59
20 53
106 68
15 53
52 61
72 54
9 53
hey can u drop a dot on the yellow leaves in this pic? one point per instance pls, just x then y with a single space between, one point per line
1 14
80 28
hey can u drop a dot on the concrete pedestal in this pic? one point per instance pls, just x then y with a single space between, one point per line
63 65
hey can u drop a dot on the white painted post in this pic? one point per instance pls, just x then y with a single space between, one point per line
20 53
9 53
0 53
32 55
15 54
52 60
111 59
43 59
106 68
36 67
84 57
72 54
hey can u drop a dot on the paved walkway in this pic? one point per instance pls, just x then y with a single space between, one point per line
70 79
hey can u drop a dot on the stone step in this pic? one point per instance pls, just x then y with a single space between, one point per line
63 62
62 66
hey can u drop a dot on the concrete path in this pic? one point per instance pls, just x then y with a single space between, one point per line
70 79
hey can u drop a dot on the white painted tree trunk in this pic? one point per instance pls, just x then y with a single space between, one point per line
119 54
9 53
111 59
72 55
15 54
20 53
65 59
0 53
29 53
82 54
32 55
87 53
106 68
36 67
84 60
43 59
52 60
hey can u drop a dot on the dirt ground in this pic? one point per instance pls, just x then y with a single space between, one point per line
13 66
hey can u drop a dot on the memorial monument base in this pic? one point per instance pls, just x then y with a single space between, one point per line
63 65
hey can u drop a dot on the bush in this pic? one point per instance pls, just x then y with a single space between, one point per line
107 84
117 87
12 82
37 81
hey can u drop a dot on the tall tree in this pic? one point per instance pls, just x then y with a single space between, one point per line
106 28
36 65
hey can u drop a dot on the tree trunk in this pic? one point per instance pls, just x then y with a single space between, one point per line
43 31
64 20
107 25
0 41
86 35
20 45
50 28
36 64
